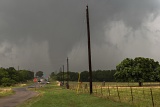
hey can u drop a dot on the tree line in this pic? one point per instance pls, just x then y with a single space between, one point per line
10 76
98 76
139 70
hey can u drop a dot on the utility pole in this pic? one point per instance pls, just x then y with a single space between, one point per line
89 50
67 74
63 74
60 70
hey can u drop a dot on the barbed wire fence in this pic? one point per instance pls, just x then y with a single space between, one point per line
138 96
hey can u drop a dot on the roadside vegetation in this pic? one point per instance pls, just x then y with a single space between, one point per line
10 76
55 96
6 92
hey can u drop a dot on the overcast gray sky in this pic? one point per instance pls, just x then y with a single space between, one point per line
41 34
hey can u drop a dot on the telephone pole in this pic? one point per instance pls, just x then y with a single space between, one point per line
63 74
67 74
89 50
60 70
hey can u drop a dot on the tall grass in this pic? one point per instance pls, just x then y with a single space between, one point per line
5 92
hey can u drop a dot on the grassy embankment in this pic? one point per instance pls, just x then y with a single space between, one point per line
55 96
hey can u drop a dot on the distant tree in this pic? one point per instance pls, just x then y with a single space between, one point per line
13 74
7 81
103 75
97 76
25 75
3 74
157 74
39 74
138 70
85 76
73 76
10 76
59 76
53 76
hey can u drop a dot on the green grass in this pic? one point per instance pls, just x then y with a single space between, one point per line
55 96
141 95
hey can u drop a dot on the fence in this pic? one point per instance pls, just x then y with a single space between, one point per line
148 96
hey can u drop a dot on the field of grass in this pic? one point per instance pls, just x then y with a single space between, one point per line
146 96
55 96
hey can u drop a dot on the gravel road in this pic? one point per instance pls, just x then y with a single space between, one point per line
21 94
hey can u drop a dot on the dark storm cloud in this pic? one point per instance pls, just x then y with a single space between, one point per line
54 21
51 28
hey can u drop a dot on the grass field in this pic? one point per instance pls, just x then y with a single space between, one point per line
146 96
55 96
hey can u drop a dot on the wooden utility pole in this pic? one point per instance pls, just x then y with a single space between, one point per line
63 74
89 51
60 70
67 74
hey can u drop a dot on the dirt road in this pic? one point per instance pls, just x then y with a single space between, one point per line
20 96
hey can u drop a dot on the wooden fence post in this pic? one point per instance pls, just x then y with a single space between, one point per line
131 94
152 97
108 91
118 93
96 89
101 91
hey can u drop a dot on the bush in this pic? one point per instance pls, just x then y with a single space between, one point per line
7 82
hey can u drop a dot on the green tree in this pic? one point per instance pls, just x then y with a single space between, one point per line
10 76
25 75
157 74
98 75
3 74
53 76
124 70
7 81
13 74
139 70
73 76
39 73
85 76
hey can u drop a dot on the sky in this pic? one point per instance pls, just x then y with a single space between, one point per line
39 35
